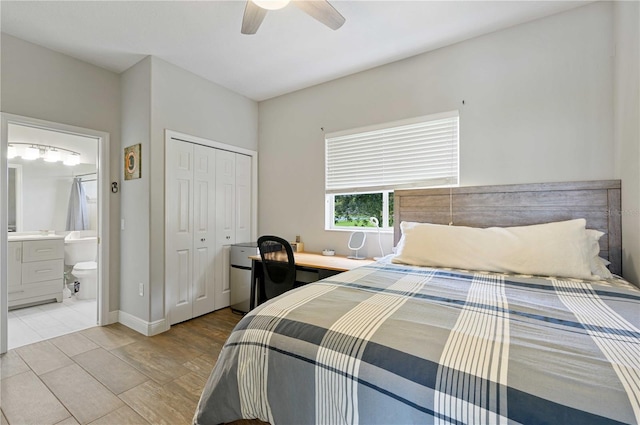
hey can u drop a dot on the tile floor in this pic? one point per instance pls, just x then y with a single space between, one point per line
113 375
37 323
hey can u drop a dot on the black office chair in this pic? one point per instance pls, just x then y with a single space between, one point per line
278 265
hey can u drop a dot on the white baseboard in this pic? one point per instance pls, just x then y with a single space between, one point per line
158 327
142 326
112 317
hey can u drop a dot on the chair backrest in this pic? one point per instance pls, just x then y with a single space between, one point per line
278 265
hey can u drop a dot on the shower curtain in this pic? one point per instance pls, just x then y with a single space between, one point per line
77 216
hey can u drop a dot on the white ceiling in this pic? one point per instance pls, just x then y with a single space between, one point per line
291 50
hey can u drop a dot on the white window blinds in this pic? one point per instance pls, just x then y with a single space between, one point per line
421 152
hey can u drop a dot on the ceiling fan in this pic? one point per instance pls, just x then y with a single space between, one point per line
321 10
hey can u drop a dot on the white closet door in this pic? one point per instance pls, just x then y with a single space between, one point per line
179 210
204 187
225 221
208 207
243 198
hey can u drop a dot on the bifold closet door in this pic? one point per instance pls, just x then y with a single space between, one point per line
225 222
233 214
204 241
243 198
190 238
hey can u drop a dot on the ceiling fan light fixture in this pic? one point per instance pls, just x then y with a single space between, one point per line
271 4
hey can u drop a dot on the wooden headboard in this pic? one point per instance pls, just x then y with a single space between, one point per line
519 205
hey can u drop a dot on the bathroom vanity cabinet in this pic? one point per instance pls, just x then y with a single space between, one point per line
35 269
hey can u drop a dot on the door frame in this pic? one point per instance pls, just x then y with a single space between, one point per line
169 135
103 211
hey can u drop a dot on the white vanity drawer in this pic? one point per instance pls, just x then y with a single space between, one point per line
42 291
42 250
42 270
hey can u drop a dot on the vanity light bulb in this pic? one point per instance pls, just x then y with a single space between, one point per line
72 159
52 155
12 152
31 153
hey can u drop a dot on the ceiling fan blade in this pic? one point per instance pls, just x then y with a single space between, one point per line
322 11
253 16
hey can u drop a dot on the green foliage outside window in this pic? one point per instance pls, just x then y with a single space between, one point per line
355 210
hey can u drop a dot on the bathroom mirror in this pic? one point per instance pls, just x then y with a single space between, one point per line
38 195
39 188
356 242
14 204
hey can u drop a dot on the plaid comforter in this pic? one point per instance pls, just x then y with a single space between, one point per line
393 344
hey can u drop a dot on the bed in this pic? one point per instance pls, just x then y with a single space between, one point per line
397 343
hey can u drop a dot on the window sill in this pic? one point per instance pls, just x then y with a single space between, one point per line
362 229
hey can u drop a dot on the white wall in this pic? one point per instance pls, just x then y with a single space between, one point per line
538 108
177 100
40 83
627 130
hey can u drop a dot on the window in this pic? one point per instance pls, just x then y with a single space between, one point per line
363 167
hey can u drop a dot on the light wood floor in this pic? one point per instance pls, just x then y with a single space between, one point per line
113 375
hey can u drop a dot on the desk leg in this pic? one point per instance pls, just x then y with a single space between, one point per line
252 300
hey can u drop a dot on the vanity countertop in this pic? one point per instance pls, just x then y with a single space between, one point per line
32 236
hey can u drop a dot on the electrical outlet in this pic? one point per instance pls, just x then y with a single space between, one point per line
141 289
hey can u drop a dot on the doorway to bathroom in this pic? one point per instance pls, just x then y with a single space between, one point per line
57 230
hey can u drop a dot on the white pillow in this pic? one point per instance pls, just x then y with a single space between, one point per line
552 249
599 268
593 237
597 264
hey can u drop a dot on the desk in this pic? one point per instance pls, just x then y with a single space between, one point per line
323 265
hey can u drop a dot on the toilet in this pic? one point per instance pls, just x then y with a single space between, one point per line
86 272
80 251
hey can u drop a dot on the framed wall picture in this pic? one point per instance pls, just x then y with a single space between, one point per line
132 162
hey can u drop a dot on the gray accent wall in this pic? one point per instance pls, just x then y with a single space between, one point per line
135 199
